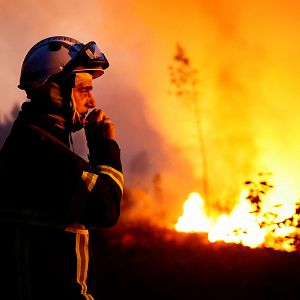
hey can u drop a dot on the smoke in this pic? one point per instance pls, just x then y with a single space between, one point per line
246 55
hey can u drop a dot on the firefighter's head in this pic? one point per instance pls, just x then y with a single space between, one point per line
53 67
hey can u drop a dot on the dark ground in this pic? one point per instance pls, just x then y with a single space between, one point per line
140 261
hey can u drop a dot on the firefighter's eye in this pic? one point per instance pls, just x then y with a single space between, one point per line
84 92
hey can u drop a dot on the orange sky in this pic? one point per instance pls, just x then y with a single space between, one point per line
246 53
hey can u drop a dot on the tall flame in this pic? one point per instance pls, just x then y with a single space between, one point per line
194 217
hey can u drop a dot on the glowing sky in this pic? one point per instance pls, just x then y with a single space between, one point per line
247 56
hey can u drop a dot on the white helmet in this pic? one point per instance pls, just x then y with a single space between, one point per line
58 54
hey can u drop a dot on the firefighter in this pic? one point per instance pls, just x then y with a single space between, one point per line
53 196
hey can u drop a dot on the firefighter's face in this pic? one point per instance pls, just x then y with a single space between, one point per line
83 97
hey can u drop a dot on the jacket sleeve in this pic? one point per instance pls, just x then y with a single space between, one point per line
101 187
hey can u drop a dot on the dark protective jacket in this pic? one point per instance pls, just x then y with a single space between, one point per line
50 197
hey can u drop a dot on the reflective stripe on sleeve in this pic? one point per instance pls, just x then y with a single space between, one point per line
89 179
116 175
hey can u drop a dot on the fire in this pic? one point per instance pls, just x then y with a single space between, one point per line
254 222
194 218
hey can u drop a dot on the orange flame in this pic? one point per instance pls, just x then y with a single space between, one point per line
194 218
272 228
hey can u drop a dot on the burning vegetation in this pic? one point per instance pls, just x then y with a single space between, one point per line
255 221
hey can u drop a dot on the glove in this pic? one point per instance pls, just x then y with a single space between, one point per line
99 131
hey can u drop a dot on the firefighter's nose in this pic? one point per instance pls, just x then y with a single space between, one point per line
91 101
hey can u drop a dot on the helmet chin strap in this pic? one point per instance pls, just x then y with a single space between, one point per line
76 119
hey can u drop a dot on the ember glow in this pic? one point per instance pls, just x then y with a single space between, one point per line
256 220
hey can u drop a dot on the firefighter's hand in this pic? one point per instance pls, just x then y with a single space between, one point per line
98 126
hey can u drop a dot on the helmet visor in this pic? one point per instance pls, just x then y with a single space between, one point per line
89 58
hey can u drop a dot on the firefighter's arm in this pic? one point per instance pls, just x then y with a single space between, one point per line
105 181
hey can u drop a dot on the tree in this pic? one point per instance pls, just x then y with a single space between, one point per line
6 124
185 81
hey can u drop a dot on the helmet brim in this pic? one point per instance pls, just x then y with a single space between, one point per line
95 72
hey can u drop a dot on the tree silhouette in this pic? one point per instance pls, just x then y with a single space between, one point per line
185 81
6 124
